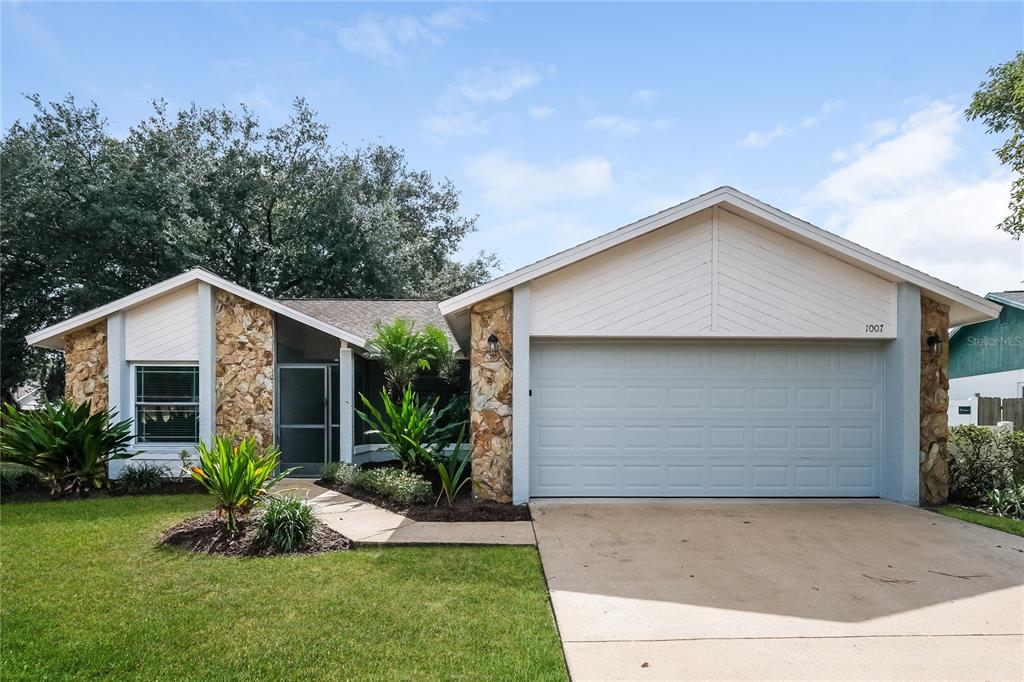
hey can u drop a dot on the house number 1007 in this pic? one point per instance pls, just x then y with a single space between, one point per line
876 328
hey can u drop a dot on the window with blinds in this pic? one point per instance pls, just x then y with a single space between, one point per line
166 404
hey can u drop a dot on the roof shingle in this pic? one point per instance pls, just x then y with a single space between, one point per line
358 315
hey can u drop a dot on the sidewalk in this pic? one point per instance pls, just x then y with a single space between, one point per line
366 523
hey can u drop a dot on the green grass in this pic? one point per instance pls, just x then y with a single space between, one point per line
85 593
1014 526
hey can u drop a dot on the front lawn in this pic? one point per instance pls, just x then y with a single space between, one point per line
1014 526
84 593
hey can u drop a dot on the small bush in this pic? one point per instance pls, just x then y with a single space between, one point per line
14 480
1007 502
982 460
238 473
348 474
66 443
285 523
142 477
398 485
329 471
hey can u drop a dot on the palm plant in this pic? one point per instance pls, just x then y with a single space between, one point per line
238 474
402 351
442 354
451 470
407 425
67 444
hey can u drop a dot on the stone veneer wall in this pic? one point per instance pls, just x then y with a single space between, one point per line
245 368
490 398
85 366
934 404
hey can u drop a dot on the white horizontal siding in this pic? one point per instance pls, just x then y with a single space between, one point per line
164 329
721 276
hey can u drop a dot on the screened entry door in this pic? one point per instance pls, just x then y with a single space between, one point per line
303 428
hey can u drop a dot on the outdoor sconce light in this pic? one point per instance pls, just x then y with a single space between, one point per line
492 343
934 345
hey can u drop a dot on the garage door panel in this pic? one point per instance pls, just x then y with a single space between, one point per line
699 428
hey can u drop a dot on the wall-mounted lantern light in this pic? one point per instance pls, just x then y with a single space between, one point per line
934 345
492 343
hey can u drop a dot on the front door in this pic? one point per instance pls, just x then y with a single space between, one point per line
303 414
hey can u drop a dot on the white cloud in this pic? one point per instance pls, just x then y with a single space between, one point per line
899 196
506 182
613 124
626 127
385 38
762 138
488 84
644 96
445 126
542 112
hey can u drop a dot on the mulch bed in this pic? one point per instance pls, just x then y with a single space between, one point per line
464 509
42 493
209 534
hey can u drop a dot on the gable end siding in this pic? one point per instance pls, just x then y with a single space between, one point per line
988 347
714 274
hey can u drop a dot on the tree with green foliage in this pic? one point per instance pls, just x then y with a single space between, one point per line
999 103
87 216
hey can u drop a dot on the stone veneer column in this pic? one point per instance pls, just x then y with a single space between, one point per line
245 368
934 404
490 398
85 366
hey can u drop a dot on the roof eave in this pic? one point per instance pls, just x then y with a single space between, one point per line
976 307
52 336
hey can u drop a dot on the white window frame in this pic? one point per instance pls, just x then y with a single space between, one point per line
132 367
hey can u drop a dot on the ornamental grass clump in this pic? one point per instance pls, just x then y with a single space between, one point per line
66 443
397 485
286 524
143 477
238 473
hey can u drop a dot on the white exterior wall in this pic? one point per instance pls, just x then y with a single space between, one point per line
177 327
714 274
165 329
995 385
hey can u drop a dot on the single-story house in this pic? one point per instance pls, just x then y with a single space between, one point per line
196 355
987 358
718 348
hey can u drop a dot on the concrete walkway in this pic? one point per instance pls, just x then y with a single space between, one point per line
785 589
366 523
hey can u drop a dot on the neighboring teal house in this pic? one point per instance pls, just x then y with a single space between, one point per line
987 358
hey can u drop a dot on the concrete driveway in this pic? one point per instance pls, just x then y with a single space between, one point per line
751 589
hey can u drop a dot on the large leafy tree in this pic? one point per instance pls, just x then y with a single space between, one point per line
999 103
88 216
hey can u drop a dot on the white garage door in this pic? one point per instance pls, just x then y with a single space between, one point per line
622 418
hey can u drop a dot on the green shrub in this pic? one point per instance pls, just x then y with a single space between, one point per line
347 474
982 460
14 480
143 477
68 445
238 473
329 471
286 524
1007 502
451 471
398 485
412 429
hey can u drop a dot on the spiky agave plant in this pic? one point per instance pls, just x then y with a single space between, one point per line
67 443
238 473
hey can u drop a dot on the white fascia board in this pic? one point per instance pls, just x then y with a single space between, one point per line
48 337
886 267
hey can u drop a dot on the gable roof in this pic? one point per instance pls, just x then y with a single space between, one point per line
965 307
1010 298
358 315
52 336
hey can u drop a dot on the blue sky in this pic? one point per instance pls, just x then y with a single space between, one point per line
562 121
